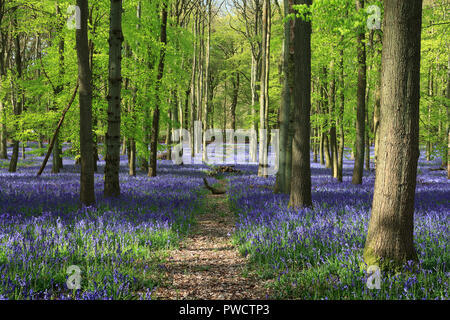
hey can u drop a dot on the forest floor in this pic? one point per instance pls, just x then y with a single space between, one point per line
208 266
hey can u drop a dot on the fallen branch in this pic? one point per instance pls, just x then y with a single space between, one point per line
52 142
212 189
437 169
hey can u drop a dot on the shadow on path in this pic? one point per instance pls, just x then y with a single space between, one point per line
208 266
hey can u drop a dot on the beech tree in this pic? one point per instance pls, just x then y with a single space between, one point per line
300 195
87 195
390 234
156 111
112 186
361 105
264 92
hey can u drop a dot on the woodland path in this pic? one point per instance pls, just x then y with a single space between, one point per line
208 266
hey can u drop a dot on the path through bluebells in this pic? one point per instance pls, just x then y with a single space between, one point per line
129 248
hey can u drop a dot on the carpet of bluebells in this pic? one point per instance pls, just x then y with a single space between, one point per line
317 253
43 230
309 254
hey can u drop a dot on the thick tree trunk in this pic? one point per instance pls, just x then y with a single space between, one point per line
361 105
390 233
288 170
301 171
155 127
87 195
112 138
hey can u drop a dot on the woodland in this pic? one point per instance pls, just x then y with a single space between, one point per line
224 149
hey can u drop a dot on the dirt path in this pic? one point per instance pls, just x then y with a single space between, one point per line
208 266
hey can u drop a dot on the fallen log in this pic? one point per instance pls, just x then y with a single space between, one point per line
437 169
223 169
211 188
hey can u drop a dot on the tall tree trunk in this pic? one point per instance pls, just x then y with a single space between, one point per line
112 159
207 83
301 171
429 133
376 119
390 233
253 147
333 139
3 133
280 184
168 141
367 142
91 22
201 29
361 105
3 49
448 117
57 158
326 150
341 116
17 106
155 127
193 89
87 195
132 108
264 92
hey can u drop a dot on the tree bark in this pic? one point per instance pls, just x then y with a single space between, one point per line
448 117
280 184
155 127
361 105
429 133
300 195
264 92
193 91
3 133
207 83
17 106
341 117
333 138
390 235
87 195
3 50
112 138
